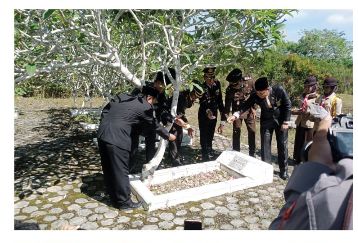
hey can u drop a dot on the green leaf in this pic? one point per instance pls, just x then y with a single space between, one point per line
191 87
30 69
48 13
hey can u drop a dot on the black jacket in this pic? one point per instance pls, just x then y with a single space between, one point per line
164 106
280 102
212 99
123 116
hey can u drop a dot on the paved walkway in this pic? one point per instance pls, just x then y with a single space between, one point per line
58 182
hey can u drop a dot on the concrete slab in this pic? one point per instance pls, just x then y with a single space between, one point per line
246 171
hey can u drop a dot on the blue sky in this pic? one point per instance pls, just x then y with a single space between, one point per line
340 20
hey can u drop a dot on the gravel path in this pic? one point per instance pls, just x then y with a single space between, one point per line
59 183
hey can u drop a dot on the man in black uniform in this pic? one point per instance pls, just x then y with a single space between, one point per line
275 114
119 120
238 92
210 103
185 100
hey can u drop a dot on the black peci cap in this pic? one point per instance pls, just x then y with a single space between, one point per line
310 80
261 84
330 81
234 76
148 89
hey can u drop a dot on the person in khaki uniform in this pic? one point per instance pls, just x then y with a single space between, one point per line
304 127
329 100
237 92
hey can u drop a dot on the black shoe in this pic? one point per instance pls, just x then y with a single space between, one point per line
205 157
284 175
128 205
176 163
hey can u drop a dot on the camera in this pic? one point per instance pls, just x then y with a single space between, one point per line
340 138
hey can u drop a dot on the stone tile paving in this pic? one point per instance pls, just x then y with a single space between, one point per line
58 181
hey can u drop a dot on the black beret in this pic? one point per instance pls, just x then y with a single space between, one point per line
261 84
148 89
310 80
210 69
234 76
330 81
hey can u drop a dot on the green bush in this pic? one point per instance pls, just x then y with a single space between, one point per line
43 89
87 118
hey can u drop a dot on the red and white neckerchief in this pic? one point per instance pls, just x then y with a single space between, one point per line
323 103
304 104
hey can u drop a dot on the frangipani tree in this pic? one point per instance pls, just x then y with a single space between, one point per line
131 44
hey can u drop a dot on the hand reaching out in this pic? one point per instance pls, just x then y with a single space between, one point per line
231 119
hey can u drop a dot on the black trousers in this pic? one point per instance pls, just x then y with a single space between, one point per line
207 130
115 163
303 135
251 130
174 146
281 138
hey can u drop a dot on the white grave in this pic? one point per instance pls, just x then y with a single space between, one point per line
247 172
85 111
89 126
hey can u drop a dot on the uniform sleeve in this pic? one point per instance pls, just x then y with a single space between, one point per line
161 131
152 123
228 101
250 102
221 103
105 111
181 104
285 105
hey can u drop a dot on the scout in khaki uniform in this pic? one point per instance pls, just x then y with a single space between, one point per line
304 127
329 99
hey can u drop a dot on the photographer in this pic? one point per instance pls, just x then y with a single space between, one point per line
319 194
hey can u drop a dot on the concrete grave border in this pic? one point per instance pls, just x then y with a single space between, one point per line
250 171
